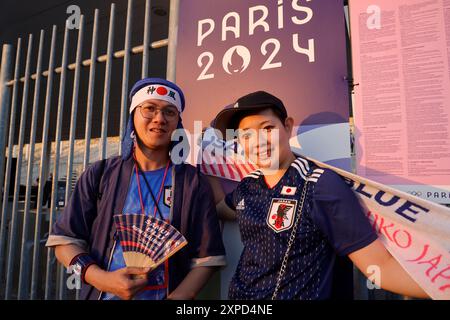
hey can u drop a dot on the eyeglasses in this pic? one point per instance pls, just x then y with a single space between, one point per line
150 111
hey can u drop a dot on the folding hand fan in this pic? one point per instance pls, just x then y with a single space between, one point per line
147 241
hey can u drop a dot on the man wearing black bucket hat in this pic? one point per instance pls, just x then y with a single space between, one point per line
296 220
145 181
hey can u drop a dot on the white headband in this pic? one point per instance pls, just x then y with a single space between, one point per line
156 91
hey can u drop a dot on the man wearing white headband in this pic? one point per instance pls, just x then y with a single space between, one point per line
143 180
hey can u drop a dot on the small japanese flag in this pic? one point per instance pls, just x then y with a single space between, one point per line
288 191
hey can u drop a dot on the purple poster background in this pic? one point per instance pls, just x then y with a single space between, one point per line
315 89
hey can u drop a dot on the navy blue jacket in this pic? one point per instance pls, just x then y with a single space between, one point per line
101 192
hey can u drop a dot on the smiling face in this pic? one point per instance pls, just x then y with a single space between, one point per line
154 122
265 138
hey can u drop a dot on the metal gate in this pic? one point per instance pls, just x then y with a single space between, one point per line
28 270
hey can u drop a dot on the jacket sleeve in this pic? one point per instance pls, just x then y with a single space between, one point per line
207 248
73 226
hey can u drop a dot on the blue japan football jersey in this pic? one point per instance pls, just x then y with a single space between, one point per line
156 289
332 223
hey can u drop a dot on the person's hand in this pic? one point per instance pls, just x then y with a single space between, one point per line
124 283
177 295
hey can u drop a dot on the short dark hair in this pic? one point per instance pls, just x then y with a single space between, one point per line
238 116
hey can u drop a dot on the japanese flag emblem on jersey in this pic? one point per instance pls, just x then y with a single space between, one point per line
168 196
281 214
288 191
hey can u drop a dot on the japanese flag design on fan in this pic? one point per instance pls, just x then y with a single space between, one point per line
147 241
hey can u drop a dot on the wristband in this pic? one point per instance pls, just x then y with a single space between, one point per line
80 264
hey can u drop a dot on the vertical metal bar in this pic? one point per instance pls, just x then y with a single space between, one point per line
12 127
109 58
146 42
50 252
73 124
24 256
42 169
125 73
5 76
15 207
173 35
90 97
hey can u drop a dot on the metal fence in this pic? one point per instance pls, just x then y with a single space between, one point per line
28 270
